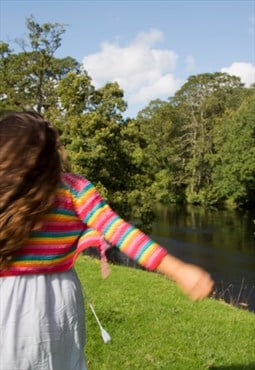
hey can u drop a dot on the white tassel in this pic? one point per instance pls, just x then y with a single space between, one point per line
105 335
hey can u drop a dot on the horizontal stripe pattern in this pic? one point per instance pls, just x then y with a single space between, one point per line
78 220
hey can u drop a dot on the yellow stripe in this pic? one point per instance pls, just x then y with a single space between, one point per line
147 254
60 217
96 214
128 239
89 234
113 228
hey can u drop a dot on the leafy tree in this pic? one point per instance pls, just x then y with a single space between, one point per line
158 133
199 103
234 171
101 144
109 102
75 92
29 78
4 74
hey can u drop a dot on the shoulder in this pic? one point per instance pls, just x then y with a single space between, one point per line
74 182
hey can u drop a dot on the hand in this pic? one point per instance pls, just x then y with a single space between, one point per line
193 280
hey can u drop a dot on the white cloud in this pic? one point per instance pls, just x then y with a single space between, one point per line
246 72
143 71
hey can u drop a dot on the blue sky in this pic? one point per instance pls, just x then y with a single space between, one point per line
149 47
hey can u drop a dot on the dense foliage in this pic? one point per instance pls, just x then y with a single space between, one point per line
197 147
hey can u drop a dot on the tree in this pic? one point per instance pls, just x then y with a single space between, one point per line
233 177
199 103
158 133
29 78
109 102
75 93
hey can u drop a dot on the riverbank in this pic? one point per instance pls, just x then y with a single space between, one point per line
153 326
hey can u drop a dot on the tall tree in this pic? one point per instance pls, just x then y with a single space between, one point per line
199 103
158 133
233 176
29 78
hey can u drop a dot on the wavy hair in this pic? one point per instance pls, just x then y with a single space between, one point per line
30 170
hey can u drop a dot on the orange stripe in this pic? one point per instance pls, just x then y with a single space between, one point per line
49 240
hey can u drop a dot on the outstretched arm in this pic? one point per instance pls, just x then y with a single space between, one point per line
193 280
98 215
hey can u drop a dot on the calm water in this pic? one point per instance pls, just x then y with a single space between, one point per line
221 241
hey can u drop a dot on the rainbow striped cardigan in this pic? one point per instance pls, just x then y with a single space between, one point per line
80 219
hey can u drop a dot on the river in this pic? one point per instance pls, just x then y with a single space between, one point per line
221 241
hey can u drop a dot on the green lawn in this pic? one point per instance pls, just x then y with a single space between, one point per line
153 326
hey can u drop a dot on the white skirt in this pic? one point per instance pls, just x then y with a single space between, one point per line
42 322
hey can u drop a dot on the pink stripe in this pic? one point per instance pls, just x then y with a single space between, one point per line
118 232
63 226
40 251
136 244
104 220
44 269
86 207
89 242
77 183
156 258
61 203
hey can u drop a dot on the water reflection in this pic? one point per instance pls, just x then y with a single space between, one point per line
222 241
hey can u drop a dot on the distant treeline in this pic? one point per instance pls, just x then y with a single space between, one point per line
198 147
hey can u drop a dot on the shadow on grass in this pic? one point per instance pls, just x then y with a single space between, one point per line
251 366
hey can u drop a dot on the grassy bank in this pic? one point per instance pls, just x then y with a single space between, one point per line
153 326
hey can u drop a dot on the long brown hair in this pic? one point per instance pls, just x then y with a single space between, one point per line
30 171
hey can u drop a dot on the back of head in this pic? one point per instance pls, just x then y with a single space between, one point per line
29 173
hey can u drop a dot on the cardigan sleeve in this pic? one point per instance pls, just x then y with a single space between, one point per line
92 209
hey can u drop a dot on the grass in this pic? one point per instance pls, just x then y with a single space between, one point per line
153 326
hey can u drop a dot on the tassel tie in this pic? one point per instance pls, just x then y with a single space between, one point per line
92 238
103 247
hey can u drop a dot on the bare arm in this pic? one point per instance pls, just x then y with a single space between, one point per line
193 280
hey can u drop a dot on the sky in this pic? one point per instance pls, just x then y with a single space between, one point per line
149 47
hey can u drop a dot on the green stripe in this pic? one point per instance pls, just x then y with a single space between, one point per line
44 258
53 234
62 211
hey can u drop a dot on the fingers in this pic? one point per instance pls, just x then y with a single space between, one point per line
202 289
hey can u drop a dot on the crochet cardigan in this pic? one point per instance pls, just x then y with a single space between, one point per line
80 219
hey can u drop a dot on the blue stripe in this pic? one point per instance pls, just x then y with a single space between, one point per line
93 210
84 190
109 225
77 193
144 248
52 257
126 233
62 211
